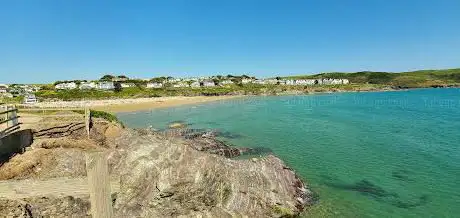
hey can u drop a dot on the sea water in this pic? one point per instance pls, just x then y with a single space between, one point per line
375 154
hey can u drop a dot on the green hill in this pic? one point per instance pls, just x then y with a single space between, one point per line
421 78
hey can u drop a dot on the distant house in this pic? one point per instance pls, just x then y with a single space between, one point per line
345 81
195 84
226 82
67 86
154 85
246 81
3 88
208 83
127 85
259 81
305 82
88 85
30 99
271 81
105 85
289 82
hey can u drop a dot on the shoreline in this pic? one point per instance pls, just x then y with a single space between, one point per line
133 104
141 104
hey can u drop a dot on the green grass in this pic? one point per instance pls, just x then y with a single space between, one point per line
414 79
106 116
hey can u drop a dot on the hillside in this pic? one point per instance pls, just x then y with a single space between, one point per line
413 79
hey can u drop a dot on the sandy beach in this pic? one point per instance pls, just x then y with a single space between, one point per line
135 104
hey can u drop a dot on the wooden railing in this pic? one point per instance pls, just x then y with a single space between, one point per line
8 120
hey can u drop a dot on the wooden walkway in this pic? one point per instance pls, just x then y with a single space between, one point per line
57 187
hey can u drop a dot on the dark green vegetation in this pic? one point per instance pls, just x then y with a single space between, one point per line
106 116
414 79
103 115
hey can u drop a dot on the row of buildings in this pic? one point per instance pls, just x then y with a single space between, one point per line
90 85
198 82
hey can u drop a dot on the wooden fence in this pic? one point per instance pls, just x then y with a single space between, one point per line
11 121
8 120
98 183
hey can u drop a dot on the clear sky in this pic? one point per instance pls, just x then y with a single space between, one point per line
44 40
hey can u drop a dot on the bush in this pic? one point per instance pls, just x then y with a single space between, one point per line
106 116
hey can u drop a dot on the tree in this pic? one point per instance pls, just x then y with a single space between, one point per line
117 86
123 77
107 78
278 78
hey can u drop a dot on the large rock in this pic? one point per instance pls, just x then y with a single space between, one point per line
169 178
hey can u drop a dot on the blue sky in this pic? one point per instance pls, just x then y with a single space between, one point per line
43 40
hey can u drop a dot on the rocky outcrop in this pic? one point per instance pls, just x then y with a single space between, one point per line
170 178
161 177
45 207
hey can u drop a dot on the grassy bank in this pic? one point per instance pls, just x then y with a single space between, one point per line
414 79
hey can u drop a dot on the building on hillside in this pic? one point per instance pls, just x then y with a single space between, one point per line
30 99
66 86
305 82
106 85
127 85
88 85
226 82
195 84
246 80
345 81
289 82
154 85
259 81
208 83
3 88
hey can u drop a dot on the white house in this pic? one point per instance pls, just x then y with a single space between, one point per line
71 85
3 88
289 82
345 81
30 99
246 81
226 82
106 85
154 85
208 83
127 85
305 82
259 81
195 84
88 85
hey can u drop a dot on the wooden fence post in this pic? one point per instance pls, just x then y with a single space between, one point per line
87 120
99 185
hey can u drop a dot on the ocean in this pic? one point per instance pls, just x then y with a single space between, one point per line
373 154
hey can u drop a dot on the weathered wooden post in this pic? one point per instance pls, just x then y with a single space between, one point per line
99 185
87 120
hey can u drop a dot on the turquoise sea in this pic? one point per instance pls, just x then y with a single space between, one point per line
375 154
